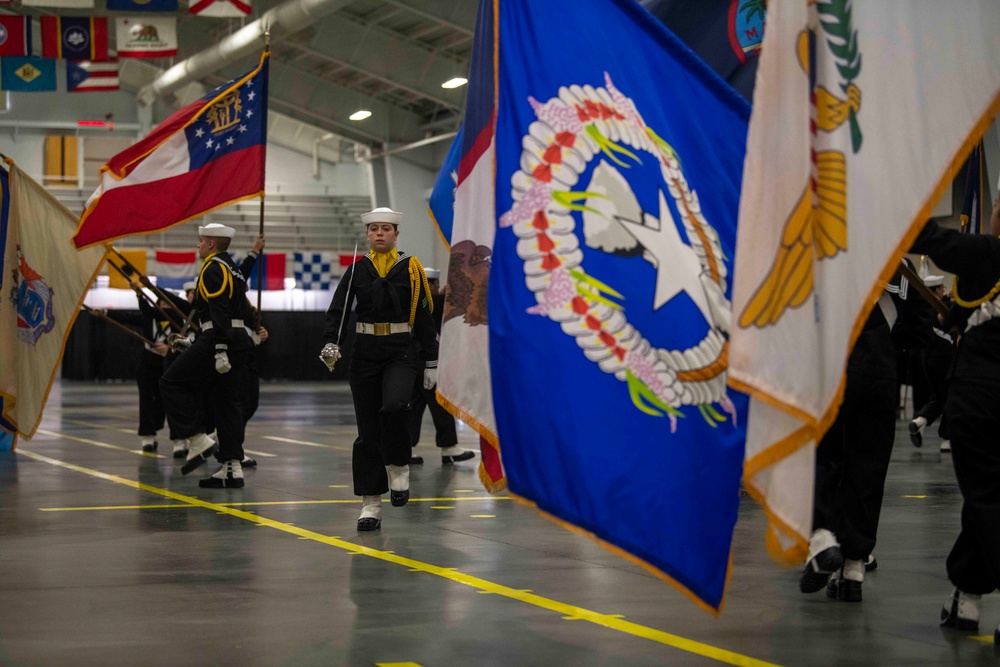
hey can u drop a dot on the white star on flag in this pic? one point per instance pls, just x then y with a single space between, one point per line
209 144
198 133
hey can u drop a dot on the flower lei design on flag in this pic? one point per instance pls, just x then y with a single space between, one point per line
572 129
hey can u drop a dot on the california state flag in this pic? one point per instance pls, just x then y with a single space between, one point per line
845 162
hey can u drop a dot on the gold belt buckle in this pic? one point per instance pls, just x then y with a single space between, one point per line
382 328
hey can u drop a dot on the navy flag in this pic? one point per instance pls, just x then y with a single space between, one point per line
142 5
616 203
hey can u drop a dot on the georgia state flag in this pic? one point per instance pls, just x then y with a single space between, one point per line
206 156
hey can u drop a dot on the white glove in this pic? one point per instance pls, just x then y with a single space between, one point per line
330 351
222 364
430 378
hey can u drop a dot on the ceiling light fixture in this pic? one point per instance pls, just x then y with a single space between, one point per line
360 115
455 83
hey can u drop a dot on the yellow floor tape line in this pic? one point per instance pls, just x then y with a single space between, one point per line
568 611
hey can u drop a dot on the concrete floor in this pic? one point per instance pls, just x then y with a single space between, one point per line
111 557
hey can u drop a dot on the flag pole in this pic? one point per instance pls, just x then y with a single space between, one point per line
263 164
130 273
130 332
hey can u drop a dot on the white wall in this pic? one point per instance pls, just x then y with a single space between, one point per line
418 234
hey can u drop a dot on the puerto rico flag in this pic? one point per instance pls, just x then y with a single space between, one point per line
174 268
84 76
75 37
206 156
15 35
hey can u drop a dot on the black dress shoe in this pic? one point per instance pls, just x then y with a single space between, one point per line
220 483
819 568
951 614
150 447
871 564
464 456
193 463
399 498
249 462
369 523
180 453
916 437
416 460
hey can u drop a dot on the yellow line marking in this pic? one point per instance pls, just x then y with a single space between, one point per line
339 486
80 422
261 503
398 664
610 621
306 443
256 453
462 491
442 507
151 455
482 516
987 639
918 497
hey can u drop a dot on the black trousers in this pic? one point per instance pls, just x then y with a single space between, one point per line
151 414
974 562
936 368
382 387
852 461
191 381
445 434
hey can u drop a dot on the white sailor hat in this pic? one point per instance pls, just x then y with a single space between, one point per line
215 230
189 285
934 281
432 274
382 214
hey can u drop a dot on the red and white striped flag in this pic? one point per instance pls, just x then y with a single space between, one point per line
220 8
85 76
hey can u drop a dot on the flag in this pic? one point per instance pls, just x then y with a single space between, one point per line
146 37
66 4
8 431
83 76
314 270
142 5
272 272
975 194
442 201
220 8
846 158
43 281
27 74
205 156
120 277
464 368
726 34
15 35
174 268
608 298
75 37
347 260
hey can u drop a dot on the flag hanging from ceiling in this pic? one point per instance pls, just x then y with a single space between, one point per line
142 5
83 76
609 285
126 266
314 270
27 74
220 8
43 281
175 267
205 156
845 161
464 368
146 37
15 35
272 272
75 37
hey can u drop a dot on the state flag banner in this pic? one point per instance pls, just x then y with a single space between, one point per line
44 280
83 76
269 272
75 37
15 35
220 8
205 156
65 4
142 5
347 260
174 268
146 37
122 269
846 159
27 74
313 270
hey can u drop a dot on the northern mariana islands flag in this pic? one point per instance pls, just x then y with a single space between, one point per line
619 158
205 156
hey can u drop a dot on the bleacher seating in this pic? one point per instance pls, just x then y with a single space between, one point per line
292 222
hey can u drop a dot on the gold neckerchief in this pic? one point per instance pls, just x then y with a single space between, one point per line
383 261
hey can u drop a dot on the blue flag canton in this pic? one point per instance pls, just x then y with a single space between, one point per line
142 5
235 120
